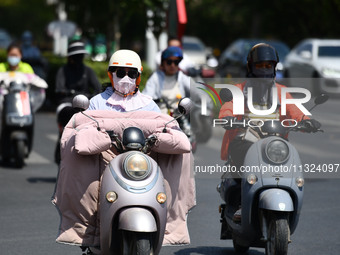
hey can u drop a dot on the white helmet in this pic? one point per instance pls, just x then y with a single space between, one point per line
126 58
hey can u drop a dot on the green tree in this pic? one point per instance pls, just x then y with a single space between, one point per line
17 16
123 22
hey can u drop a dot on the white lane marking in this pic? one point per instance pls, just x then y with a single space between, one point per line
36 158
52 137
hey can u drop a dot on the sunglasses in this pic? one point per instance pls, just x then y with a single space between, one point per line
133 74
263 65
170 61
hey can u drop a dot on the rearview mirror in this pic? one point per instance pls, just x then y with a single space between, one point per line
81 102
184 105
226 95
321 99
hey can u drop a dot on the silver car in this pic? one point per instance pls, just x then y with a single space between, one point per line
200 57
316 58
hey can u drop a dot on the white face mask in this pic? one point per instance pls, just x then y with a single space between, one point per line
124 85
13 60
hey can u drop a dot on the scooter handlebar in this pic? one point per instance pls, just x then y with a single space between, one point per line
301 127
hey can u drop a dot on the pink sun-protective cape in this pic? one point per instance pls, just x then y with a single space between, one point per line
84 155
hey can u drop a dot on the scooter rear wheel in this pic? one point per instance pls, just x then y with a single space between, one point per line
137 243
20 153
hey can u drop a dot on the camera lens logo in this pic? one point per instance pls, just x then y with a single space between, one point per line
209 93
239 99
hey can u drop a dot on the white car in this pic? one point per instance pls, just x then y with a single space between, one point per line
316 58
199 55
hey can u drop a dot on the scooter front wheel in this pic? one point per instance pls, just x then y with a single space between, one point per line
137 243
278 235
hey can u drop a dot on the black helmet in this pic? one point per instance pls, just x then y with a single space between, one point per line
261 52
133 138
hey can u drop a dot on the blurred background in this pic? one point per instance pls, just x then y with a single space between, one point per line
216 34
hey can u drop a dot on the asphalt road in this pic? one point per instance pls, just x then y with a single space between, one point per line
29 222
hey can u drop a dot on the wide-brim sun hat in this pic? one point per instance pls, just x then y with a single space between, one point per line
76 48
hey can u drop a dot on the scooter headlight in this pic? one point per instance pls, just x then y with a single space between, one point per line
277 151
137 166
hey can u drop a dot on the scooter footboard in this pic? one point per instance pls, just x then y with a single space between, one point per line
137 219
276 200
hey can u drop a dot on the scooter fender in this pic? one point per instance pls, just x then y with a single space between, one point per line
276 200
136 208
137 219
19 135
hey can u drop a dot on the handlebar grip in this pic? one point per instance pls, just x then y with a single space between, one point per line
111 134
308 129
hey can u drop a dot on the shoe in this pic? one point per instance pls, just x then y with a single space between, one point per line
237 216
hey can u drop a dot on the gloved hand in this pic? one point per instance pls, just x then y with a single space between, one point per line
311 125
152 139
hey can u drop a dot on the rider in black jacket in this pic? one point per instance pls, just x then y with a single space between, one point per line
72 79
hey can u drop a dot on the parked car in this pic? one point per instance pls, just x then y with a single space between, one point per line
195 49
200 55
316 58
233 60
5 39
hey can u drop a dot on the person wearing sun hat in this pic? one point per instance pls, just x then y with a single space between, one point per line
75 77
72 79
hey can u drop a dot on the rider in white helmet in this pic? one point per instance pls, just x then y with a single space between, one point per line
124 71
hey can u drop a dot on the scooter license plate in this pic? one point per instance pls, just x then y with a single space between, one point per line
24 103
18 103
18 109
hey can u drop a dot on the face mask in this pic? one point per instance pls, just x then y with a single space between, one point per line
261 82
124 85
13 61
76 61
262 88
263 72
